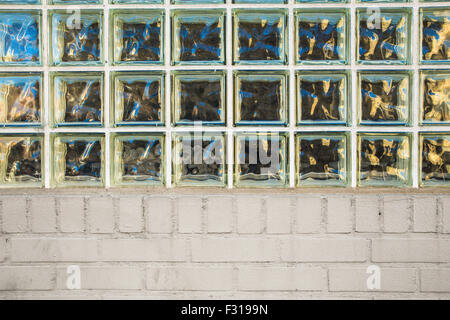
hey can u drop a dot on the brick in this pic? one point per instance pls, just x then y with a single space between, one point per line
279 215
340 215
26 278
324 250
43 214
446 215
234 250
367 214
396 214
435 280
249 214
220 214
53 250
2 249
309 214
355 279
281 279
190 212
101 215
410 250
143 249
425 214
159 210
190 278
14 211
131 214
71 214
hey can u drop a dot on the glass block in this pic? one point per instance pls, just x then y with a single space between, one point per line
137 1
260 1
435 159
198 37
78 160
138 36
384 159
384 98
138 98
20 37
21 162
198 97
322 159
74 1
137 159
322 97
76 39
376 1
20 99
259 36
385 40
435 97
20 1
196 1
435 35
261 160
199 159
321 36
77 98
321 1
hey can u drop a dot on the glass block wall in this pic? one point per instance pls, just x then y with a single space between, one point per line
243 93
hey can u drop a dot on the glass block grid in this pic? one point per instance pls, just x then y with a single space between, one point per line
224 93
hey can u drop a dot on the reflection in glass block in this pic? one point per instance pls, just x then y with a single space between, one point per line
20 99
435 35
435 96
322 97
321 36
199 97
384 98
138 98
199 159
259 36
138 159
260 98
435 159
322 159
20 37
198 37
78 160
138 36
76 41
21 160
384 159
385 41
261 160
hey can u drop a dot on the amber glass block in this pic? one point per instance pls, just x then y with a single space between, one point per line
435 35
434 159
384 159
435 97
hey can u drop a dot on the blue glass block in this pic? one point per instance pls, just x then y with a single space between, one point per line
197 1
385 40
435 37
20 99
138 37
260 1
199 159
259 37
321 36
20 37
322 97
76 39
434 159
75 1
138 98
137 1
321 1
198 37
384 98
434 97
20 2
261 160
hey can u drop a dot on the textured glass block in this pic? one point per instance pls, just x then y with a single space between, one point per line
322 97
321 1
138 98
137 1
435 35
20 2
198 37
435 97
259 37
260 1
77 98
197 1
74 1
199 159
21 160
385 40
78 160
76 39
20 37
435 159
260 98
376 1
261 160
20 99
137 159
322 159
199 97
384 159
138 36
321 36
384 98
